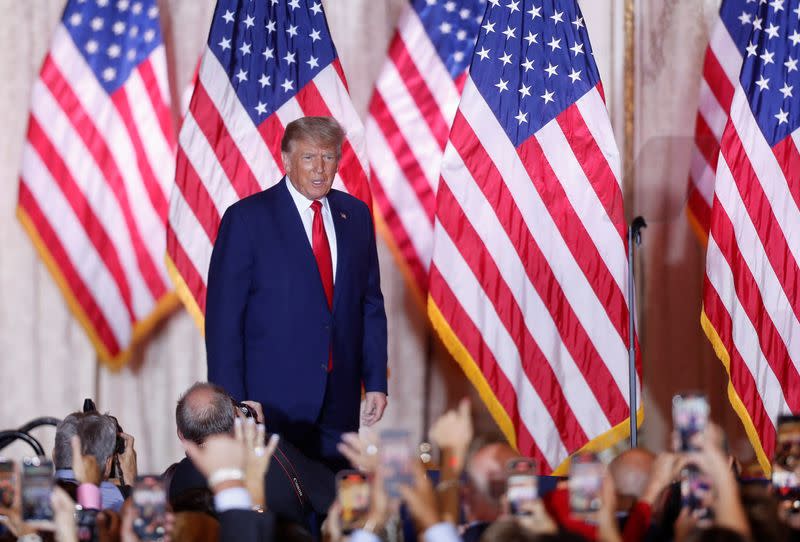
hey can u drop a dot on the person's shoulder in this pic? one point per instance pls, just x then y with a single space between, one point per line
347 202
256 202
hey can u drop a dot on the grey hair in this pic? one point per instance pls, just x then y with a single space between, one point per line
62 450
98 433
197 419
322 130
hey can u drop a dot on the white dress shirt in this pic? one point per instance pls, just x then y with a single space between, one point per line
307 216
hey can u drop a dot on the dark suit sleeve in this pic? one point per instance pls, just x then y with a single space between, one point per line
246 526
374 349
229 277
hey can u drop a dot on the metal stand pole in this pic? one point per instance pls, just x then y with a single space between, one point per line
634 240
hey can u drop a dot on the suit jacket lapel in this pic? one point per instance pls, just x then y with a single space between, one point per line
341 222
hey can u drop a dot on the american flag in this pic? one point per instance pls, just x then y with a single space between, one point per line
97 168
730 33
266 64
412 108
528 278
751 298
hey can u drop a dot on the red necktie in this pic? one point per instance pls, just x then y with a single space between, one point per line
322 252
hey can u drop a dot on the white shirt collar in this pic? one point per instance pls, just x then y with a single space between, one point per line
303 203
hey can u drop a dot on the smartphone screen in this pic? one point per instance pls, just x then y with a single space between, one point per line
689 417
8 483
150 499
396 454
585 483
522 484
37 487
353 492
696 492
786 462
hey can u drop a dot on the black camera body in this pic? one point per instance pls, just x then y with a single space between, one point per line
246 410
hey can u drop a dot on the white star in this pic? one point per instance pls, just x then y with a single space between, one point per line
464 13
791 64
531 38
746 18
149 35
577 49
268 53
528 64
554 44
123 5
551 70
152 12
535 12
131 54
118 28
458 56
228 16
137 8
314 35
316 8
76 19
101 3
522 117
494 3
249 21
505 59
264 80
513 6
772 31
502 85
767 58
430 2
783 117
797 11
312 62
777 5
548 97
795 38
292 30
91 47
294 4
271 26
461 35
109 74
757 23
114 50
289 58
483 53
450 7
525 90
287 85
489 27
261 108
445 27
787 91
509 32
557 17
242 75
97 24
752 49
575 75
578 22
763 83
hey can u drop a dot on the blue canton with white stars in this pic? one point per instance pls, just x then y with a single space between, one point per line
737 16
452 27
114 36
532 61
770 74
270 49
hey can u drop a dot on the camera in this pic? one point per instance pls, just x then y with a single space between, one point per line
246 410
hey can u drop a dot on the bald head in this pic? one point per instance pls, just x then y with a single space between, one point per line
631 471
204 410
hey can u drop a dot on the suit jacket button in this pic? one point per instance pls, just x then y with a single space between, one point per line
324 366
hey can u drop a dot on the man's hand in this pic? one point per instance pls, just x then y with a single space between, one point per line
85 467
127 460
361 450
258 409
374 405
421 499
453 431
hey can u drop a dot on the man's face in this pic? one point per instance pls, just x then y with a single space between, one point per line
311 167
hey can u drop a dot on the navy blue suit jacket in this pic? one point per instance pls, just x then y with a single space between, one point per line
268 326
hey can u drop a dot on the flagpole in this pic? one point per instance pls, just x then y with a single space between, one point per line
634 240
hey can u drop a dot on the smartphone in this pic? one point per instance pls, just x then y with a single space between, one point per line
353 492
696 493
396 454
8 483
585 483
689 417
37 488
522 484
786 462
150 499
86 523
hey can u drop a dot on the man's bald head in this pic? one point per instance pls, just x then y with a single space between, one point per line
631 472
204 410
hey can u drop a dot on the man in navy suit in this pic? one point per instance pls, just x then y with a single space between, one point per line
294 312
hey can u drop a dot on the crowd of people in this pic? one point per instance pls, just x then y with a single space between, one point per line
239 482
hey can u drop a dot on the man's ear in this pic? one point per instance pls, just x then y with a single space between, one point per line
286 161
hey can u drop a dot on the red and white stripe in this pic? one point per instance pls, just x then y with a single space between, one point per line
752 288
96 173
410 114
529 271
223 157
721 68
